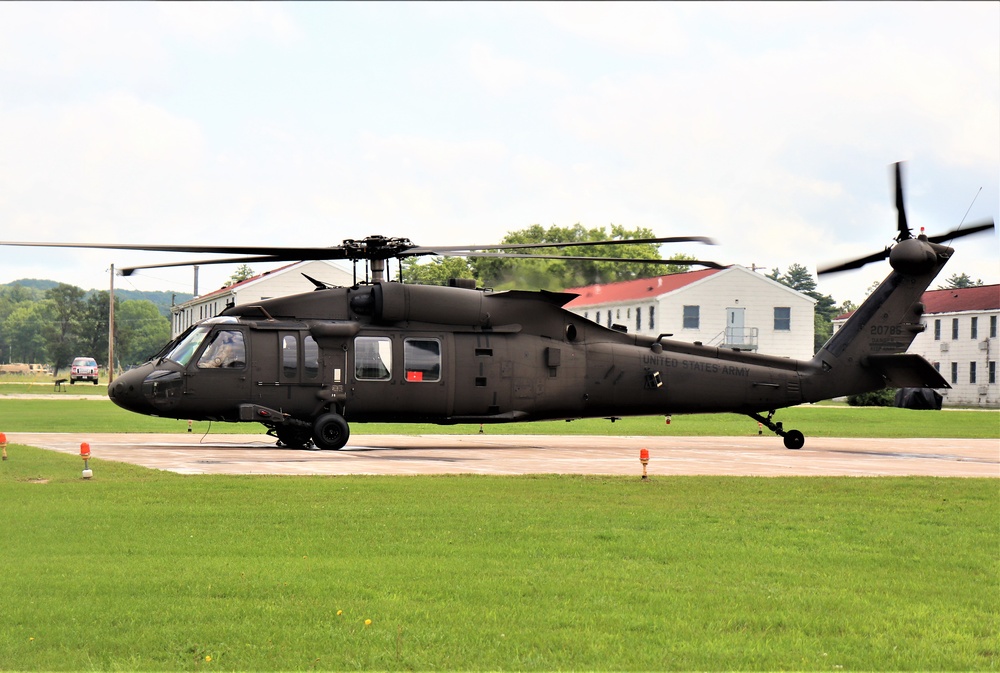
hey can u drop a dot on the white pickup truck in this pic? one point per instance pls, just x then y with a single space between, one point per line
83 369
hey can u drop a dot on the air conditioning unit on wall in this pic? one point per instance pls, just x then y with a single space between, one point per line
944 346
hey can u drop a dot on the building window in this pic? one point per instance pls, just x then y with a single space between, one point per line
692 317
993 371
782 318
937 330
609 319
652 317
937 367
954 372
422 359
373 358
954 329
993 327
638 319
974 328
597 317
972 372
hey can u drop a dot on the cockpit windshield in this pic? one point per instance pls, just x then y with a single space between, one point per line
185 349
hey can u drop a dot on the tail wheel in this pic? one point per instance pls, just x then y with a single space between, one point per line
331 432
794 440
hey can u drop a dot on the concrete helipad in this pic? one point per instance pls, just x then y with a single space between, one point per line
537 454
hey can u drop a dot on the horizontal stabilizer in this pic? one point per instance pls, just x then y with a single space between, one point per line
907 370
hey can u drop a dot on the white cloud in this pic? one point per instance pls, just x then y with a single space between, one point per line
225 23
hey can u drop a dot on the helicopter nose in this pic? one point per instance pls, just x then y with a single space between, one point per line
126 391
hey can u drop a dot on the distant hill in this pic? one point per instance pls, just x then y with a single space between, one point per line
162 300
35 283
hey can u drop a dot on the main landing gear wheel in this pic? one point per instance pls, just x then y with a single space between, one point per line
794 440
331 432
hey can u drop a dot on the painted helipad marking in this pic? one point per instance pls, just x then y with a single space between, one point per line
536 454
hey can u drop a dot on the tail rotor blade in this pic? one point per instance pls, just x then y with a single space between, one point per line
904 230
853 263
959 232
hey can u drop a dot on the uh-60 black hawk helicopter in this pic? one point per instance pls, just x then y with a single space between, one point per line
308 365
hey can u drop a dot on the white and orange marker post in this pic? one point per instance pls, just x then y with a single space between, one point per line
3 444
85 454
644 459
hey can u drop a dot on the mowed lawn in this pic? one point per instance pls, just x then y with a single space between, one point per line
145 570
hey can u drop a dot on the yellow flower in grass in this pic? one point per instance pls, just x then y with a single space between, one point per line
208 657
368 622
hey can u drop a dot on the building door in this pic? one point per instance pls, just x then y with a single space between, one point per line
735 333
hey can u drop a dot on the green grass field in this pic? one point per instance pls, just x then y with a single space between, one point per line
147 570
75 415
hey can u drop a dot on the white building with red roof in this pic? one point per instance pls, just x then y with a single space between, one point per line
729 308
960 340
281 282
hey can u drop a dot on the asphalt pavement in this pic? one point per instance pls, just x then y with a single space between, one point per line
535 454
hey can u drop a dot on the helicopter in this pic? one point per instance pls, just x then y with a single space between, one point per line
308 365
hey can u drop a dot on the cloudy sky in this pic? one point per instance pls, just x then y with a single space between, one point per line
769 127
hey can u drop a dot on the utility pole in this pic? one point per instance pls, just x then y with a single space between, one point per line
111 329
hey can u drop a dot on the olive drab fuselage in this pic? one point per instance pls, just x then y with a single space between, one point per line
310 364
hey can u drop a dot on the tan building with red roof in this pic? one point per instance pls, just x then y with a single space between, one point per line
729 308
280 282
960 340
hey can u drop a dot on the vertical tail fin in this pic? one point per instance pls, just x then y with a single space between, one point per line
869 351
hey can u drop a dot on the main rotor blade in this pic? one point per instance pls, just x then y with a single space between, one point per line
129 270
904 230
959 232
639 260
456 250
335 252
854 263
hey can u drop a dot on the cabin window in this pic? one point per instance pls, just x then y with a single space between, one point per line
954 372
954 329
692 317
638 318
993 326
310 352
782 318
972 372
373 358
422 360
652 317
226 349
290 356
974 328
993 371
937 330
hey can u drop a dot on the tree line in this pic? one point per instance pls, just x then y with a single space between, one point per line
54 326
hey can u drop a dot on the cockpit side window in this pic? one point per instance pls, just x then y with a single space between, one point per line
226 349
